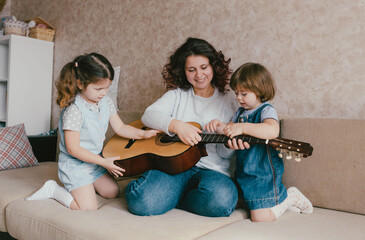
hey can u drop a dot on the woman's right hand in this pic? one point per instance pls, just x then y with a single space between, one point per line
215 126
108 164
188 134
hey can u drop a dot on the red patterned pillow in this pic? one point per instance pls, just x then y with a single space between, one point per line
15 149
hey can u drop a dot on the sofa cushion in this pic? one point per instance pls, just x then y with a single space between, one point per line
51 220
333 177
19 183
321 224
15 149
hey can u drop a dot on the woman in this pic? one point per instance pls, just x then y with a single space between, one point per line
196 77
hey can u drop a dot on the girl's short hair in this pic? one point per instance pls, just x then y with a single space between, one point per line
174 71
256 78
87 68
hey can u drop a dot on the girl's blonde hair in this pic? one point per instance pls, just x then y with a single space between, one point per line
256 78
88 68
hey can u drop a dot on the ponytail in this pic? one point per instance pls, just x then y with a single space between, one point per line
66 85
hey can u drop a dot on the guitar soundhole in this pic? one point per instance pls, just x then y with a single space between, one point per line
163 140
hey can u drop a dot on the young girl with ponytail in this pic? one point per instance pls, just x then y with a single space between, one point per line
85 116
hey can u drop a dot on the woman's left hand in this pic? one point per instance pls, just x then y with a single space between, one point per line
215 126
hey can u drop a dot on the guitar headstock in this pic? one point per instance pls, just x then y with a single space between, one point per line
291 147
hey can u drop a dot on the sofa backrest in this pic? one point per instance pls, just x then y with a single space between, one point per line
334 176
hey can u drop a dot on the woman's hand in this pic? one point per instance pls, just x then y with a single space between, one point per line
108 164
188 134
215 126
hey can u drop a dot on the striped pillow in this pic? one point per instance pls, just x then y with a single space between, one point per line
15 149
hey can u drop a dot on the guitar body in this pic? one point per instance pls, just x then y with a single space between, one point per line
140 155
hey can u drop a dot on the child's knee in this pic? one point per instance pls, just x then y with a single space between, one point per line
111 191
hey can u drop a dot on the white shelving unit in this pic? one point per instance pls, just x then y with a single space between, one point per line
26 67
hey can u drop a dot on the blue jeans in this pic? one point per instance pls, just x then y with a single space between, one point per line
203 192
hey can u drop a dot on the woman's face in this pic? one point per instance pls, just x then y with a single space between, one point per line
199 72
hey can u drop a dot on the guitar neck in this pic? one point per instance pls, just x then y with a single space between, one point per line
303 148
221 138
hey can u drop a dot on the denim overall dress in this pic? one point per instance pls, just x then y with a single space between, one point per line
72 172
259 170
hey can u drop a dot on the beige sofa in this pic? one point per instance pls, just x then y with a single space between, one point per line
332 178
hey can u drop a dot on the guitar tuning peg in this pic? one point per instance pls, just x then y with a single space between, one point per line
298 157
280 153
289 156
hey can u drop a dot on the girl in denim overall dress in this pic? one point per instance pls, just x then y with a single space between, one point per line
259 169
86 113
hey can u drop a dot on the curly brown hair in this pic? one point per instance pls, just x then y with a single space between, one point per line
174 71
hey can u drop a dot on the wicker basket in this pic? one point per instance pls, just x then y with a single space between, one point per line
41 33
15 27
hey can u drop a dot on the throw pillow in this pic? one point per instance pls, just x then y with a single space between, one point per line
15 148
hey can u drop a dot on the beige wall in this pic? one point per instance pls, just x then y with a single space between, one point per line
314 49
6 8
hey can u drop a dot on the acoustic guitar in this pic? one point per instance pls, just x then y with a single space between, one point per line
170 155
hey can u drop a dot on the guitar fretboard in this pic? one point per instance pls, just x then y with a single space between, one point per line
278 143
217 138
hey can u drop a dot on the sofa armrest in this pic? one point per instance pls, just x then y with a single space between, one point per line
44 147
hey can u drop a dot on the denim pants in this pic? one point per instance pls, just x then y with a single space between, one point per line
203 192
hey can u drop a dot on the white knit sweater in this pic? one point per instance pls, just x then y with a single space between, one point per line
187 107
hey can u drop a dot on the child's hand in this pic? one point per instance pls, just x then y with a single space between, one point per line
215 126
233 130
108 164
150 133
238 144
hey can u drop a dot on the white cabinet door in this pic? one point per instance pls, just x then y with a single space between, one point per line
29 83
